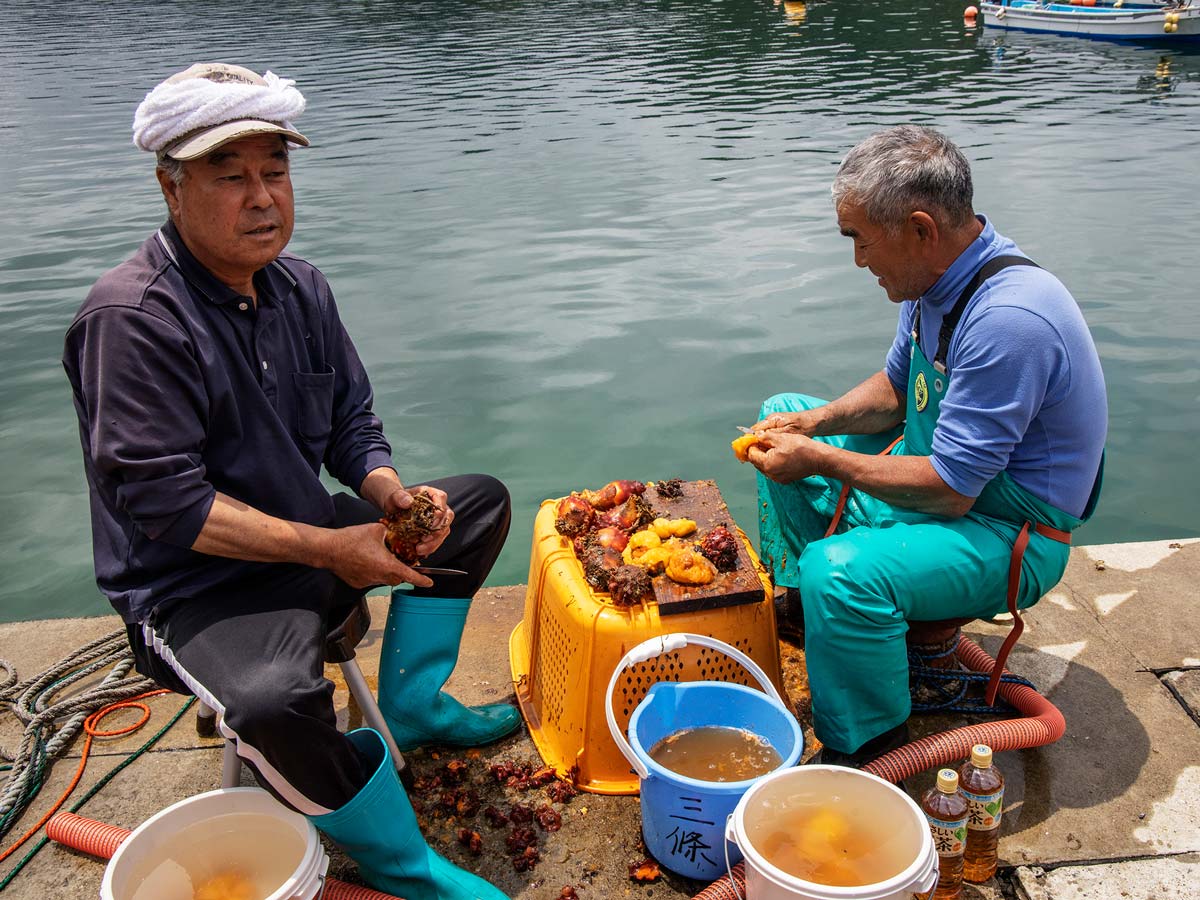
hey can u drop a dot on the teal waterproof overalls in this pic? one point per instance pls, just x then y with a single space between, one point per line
885 566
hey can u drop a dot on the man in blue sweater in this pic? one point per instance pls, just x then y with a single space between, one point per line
980 442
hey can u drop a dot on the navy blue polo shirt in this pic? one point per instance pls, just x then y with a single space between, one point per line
184 388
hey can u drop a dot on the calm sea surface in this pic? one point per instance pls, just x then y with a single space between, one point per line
581 240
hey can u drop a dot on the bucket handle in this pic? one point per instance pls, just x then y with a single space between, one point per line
929 888
669 643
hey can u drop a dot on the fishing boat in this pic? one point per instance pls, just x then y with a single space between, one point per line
1113 21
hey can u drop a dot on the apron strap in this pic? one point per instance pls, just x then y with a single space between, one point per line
1014 590
841 504
950 320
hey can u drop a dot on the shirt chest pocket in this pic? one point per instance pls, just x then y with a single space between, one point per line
314 404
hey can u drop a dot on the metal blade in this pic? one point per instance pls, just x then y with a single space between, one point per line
437 570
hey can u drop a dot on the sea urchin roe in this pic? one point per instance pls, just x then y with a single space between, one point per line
226 886
669 528
639 543
741 446
689 567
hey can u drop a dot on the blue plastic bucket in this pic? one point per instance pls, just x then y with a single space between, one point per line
683 819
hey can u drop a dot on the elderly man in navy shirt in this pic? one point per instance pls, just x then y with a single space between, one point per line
946 485
213 378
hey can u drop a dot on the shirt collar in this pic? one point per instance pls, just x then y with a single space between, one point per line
271 282
946 289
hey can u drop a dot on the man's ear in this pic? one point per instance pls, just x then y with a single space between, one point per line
170 191
924 227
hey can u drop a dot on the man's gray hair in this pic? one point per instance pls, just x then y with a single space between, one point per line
895 172
173 167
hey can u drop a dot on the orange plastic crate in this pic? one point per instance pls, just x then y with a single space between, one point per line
570 639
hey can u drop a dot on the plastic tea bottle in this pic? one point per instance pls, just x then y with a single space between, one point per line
946 809
983 786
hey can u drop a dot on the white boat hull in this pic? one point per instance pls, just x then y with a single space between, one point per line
1095 21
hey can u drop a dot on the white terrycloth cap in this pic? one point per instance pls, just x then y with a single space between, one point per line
209 104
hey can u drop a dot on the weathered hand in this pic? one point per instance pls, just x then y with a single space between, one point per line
397 500
795 422
441 501
785 456
358 556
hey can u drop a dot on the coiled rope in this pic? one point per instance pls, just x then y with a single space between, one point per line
51 725
935 688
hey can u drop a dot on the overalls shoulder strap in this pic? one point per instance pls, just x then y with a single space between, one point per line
986 271
950 322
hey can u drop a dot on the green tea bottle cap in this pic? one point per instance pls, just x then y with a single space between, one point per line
981 756
947 781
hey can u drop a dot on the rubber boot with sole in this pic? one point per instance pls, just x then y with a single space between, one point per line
378 830
420 649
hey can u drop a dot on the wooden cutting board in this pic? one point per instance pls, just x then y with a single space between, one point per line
702 502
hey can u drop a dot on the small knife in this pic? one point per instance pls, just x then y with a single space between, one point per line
437 570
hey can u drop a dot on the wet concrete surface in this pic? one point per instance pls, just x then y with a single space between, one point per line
1115 646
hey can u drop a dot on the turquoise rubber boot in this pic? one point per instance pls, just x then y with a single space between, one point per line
420 650
378 830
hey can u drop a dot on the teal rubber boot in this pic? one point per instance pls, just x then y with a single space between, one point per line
420 650
378 830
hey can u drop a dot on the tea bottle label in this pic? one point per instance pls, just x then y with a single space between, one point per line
983 810
949 838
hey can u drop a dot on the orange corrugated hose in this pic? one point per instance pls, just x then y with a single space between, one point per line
91 726
102 840
1041 724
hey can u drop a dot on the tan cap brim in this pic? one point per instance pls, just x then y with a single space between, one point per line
209 139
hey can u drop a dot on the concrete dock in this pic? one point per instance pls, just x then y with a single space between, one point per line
1111 810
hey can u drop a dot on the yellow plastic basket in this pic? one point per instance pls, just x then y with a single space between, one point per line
570 639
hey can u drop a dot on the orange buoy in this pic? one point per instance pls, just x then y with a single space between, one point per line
1089 2
970 12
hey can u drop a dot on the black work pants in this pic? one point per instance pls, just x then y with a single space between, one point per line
255 655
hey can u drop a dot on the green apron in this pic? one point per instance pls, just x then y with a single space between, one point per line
862 585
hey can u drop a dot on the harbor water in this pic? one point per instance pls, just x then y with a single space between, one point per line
579 241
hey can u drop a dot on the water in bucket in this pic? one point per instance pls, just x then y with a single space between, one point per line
237 856
716 753
832 833
837 831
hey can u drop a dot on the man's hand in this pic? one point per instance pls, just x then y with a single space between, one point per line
445 515
358 556
785 456
802 422
382 487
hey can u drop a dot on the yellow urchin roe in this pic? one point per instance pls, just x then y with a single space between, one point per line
639 543
741 446
227 886
689 567
669 528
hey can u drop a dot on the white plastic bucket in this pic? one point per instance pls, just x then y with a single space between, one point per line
765 881
150 843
